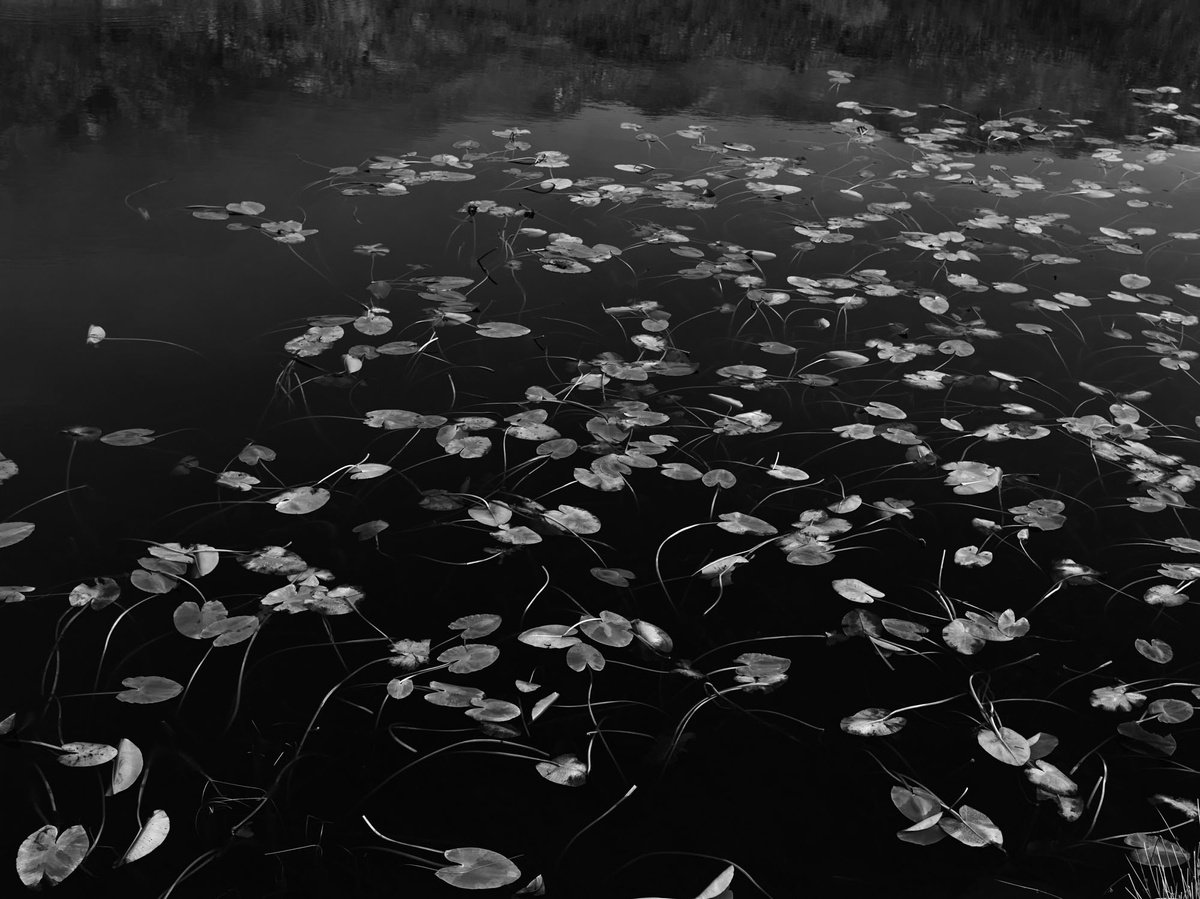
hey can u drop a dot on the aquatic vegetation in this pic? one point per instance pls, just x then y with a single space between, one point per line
623 481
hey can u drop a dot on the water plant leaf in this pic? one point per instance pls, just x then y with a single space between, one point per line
914 804
231 631
128 767
149 838
152 581
86 755
905 630
477 869
14 532
1164 595
609 629
492 710
925 832
653 636
549 636
1189 807
1048 777
1156 650
470 657
150 689
972 827
853 589
474 626
518 536
1041 745
254 453
581 656
11 593
787 473
969 478
539 707
129 437
574 519
370 529
1155 851
566 770
740 523
452 695
681 471
1164 743
873 722
400 688
238 480
191 619
501 330
46 853
617 577
1004 744
300 501
410 654
962 635
246 207
364 471
1116 699
101 592
535 887
1171 711
493 514
972 556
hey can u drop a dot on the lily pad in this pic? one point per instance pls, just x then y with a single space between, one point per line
477 869
46 853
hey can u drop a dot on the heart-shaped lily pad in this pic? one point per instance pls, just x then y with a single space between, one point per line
477 869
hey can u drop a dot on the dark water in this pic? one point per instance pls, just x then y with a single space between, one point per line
117 117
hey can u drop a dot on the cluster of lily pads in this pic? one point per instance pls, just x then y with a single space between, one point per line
735 392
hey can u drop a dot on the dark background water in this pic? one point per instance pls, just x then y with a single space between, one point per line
111 108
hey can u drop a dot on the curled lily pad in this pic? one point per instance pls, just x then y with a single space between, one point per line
128 767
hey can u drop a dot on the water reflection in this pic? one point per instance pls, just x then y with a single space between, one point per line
81 67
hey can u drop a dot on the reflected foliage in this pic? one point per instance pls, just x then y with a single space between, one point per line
84 67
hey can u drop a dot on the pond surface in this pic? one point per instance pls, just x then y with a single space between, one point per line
462 443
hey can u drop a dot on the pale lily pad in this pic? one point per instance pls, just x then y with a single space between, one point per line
1004 744
148 690
46 853
86 755
477 869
